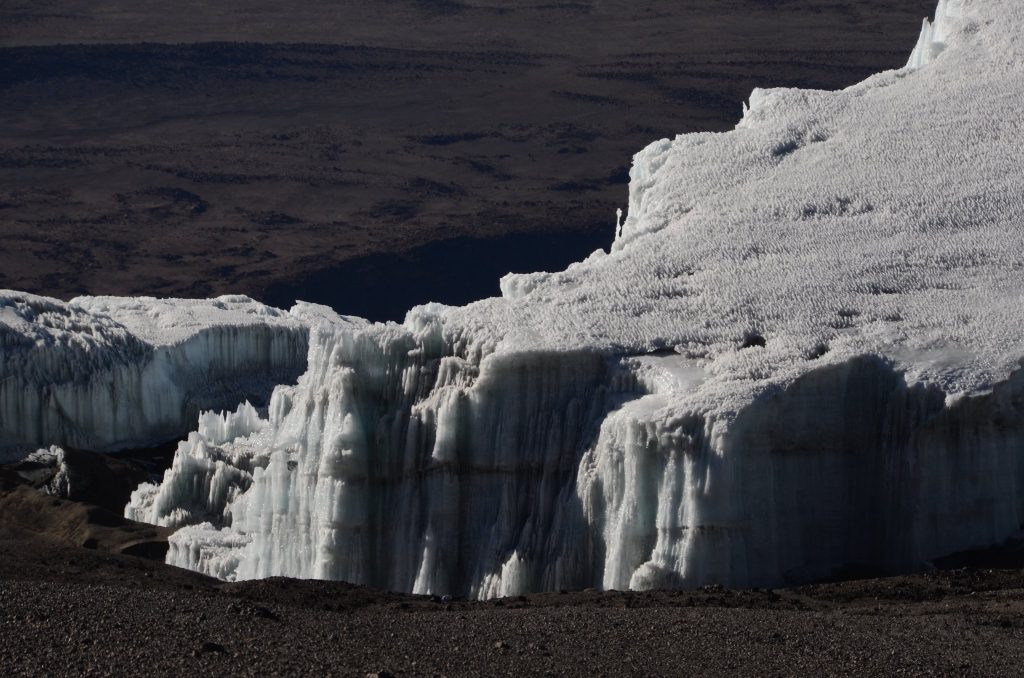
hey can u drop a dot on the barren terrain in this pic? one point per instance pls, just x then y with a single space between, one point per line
369 155
68 611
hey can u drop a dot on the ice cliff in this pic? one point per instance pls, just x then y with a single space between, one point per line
105 373
803 352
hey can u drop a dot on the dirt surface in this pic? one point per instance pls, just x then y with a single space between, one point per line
66 611
199 148
30 514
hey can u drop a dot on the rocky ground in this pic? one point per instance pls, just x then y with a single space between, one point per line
369 155
71 611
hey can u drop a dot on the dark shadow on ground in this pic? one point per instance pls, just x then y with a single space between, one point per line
384 286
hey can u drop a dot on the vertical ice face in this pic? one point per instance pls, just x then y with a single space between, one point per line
803 353
105 373
427 473
642 175
849 466
398 462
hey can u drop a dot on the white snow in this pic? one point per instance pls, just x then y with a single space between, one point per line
210 469
105 373
802 352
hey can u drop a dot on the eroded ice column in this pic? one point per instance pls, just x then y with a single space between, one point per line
210 469
935 34
395 463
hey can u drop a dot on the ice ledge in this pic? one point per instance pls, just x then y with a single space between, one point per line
105 373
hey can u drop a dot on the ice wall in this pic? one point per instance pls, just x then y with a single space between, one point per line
802 353
399 462
848 467
548 471
106 373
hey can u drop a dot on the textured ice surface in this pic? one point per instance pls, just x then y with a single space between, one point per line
204 477
802 352
104 373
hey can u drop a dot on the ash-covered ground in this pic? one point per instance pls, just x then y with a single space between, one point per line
369 155
71 611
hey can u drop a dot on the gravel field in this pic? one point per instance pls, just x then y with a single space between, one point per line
71 611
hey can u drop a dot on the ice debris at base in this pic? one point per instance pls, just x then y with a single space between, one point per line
59 484
803 352
105 373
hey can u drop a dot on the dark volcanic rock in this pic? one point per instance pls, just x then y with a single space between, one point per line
68 611
104 480
272 149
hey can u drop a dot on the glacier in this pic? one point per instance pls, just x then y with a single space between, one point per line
107 373
801 353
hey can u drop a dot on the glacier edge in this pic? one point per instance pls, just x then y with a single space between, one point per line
505 447
798 486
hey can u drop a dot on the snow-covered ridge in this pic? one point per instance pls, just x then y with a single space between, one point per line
104 373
